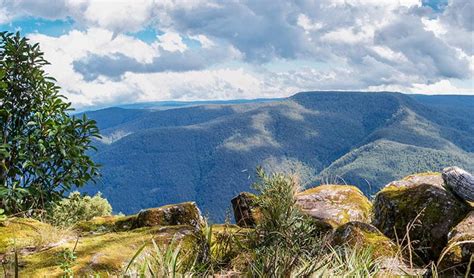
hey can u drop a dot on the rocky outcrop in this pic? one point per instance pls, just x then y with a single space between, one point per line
420 207
246 212
460 182
103 245
335 205
420 211
106 254
460 248
178 214
364 235
105 224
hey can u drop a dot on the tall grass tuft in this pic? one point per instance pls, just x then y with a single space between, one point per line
284 238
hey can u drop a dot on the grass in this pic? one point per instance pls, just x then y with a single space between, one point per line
284 243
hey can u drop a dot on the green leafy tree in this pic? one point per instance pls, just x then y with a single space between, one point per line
43 149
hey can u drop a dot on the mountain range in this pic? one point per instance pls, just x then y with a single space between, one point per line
154 154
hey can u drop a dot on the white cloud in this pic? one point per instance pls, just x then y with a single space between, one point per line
441 87
4 17
364 45
120 15
203 40
307 24
171 41
349 36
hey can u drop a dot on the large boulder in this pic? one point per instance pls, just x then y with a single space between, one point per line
335 205
108 254
363 235
105 224
178 214
359 234
460 249
246 212
420 205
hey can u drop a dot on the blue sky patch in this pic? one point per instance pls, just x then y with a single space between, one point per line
436 5
147 35
28 25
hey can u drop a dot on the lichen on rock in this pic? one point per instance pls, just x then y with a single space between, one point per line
105 224
177 214
359 234
335 204
419 205
105 254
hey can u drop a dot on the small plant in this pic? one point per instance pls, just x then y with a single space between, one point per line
164 261
172 260
67 259
77 208
341 262
3 217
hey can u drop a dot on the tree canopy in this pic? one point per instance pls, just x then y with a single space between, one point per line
43 148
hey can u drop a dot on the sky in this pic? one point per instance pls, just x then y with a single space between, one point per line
104 53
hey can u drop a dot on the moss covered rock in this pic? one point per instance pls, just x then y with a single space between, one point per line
246 212
335 205
105 224
178 214
421 205
105 255
460 249
24 233
366 236
363 235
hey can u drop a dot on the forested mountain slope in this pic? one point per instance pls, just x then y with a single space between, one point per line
208 153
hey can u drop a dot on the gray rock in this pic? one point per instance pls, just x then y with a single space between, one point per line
460 182
178 214
420 205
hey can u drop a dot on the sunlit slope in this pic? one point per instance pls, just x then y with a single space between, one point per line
209 153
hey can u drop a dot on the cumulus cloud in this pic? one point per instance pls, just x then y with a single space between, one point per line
212 49
114 65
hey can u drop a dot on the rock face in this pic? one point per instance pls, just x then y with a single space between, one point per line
104 255
178 214
359 234
335 204
105 224
105 245
421 205
460 182
460 247
246 213
363 234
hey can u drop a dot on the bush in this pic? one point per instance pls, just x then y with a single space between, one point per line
77 208
284 237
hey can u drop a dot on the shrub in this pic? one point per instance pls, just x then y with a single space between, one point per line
284 237
77 208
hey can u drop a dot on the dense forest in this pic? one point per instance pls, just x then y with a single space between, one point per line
153 157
